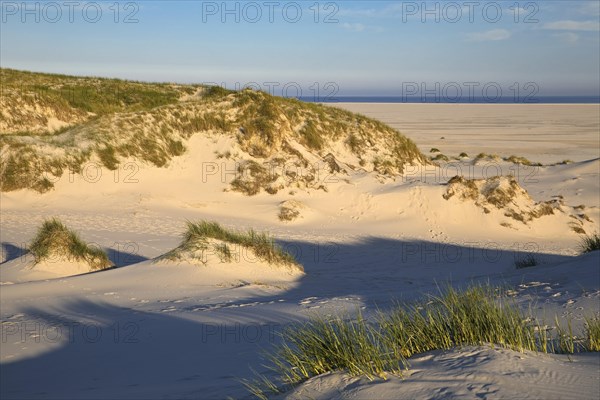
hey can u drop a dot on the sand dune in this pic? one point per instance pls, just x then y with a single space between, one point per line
470 373
185 329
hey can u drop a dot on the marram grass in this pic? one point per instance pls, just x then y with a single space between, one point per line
54 239
590 243
592 334
527 261
110 121
477 316
262 244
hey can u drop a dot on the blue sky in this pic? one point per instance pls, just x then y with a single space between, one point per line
352 47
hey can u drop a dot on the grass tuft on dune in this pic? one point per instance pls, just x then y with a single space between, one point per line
197 236
592 333
55 241
527 261
590 243
477 316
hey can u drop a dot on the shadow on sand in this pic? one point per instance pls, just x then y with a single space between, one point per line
123 258
11 251
123 352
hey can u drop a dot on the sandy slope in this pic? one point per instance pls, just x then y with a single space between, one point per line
469 373
152 330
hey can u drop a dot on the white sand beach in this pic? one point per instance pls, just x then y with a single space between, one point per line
154 329
541 132
201 200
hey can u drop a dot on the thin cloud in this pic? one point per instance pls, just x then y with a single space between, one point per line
355 27
358 12
590 8
570 25
567 37
402 10
492 35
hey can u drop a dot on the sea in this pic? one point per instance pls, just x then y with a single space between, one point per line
440 100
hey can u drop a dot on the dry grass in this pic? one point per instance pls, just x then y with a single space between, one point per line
288 214
440 157
197 236
486 156
592 333
590 243
526 261
502 193
253 177
151 125
289 210
99 96
479 316
521 160
54 239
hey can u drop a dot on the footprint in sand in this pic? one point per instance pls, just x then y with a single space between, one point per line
533 284
307 300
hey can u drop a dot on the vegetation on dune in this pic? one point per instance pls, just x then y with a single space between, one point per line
592 333
264 118
216 91
288 214
512 159
525 262
198 234
92 108
479 316
486 156
289 210
311 136
564 162
521 160
252 177
440 157
99 96
152 123
590 243
505 194
55 241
